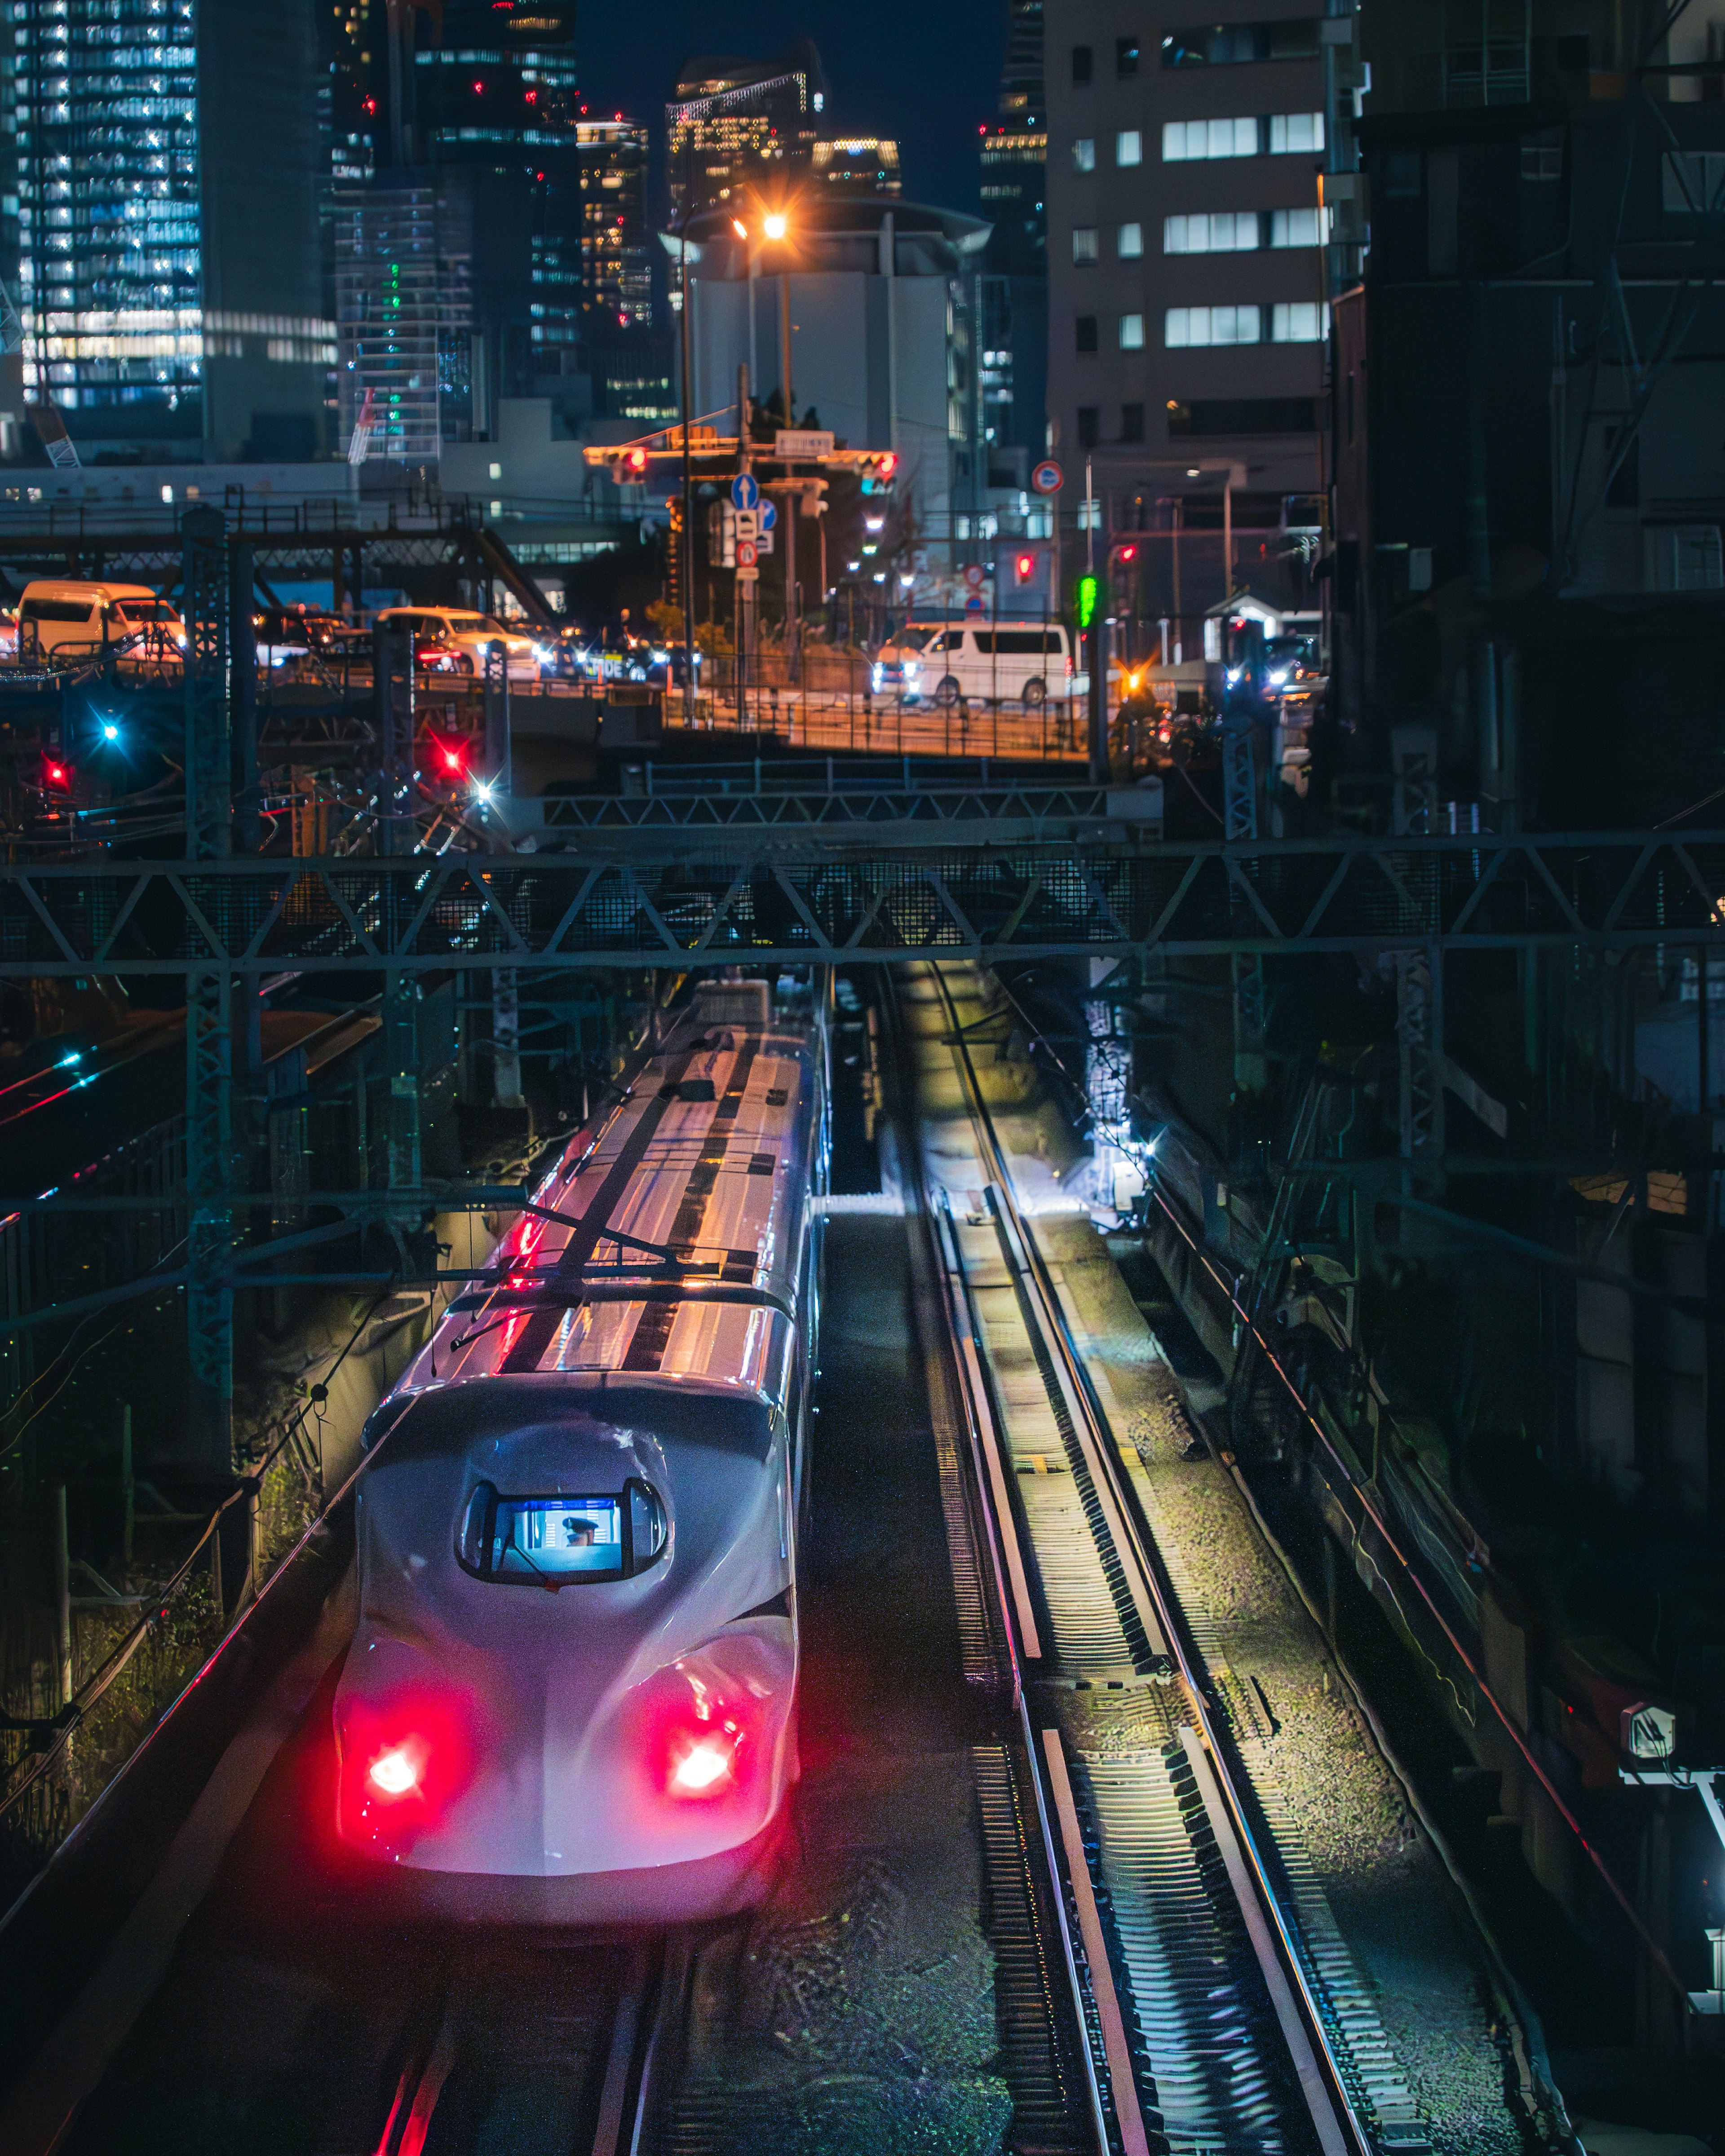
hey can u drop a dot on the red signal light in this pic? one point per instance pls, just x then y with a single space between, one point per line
1026 567
1128 553
888 464
56 773
636 460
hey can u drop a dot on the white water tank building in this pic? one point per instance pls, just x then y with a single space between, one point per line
881 293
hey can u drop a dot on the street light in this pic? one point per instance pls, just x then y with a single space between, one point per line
775 224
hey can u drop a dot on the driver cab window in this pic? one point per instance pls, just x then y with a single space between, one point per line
560 1541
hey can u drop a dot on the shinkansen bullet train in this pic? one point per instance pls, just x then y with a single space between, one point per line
572 1685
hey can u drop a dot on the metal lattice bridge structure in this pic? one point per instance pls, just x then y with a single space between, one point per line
664 894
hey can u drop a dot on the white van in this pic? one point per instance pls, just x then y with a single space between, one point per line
63 616
1010 662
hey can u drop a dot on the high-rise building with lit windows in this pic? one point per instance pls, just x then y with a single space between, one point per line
858 165
1012 289
737 126
616 246
167 277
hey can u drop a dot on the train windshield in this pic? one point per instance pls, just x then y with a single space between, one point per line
559 1540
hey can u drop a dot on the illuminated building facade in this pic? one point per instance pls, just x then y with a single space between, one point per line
168 277
858 165
1012 295
616 257
496 95
388 297
738 125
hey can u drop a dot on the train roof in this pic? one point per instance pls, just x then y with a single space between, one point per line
667 1242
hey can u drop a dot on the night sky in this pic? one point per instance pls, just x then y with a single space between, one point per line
924 71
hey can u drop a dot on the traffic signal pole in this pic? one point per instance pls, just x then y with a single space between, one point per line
688 340
746 585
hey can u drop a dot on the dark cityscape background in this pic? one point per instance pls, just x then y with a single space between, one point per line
924 107
1162 578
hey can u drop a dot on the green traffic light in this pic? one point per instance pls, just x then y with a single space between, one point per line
1086 601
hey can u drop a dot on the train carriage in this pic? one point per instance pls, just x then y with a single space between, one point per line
572 1685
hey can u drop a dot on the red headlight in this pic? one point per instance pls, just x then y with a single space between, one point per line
703 1763
400 1770
403 1761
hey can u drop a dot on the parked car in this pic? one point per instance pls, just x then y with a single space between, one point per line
288 634
998 662
75 618
470 635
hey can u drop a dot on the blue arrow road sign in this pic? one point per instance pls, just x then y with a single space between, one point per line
769 516
744 491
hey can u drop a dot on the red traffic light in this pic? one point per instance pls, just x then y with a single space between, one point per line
888 464
56 774
636 460
1128 553
1026 567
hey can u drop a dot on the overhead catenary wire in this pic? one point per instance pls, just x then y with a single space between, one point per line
87 1694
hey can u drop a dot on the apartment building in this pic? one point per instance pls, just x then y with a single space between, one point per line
1185 256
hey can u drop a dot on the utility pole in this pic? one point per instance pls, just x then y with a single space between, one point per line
793 627
747 585
1096 641
393 723
688 344
210 1162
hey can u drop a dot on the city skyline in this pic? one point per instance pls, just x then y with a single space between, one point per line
934 113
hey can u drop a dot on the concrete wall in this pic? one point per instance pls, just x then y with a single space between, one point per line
870 354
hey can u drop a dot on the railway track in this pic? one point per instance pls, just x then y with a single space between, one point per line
1221 2008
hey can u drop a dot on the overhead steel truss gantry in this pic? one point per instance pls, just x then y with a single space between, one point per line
663 892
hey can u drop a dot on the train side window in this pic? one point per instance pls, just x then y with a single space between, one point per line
561 1541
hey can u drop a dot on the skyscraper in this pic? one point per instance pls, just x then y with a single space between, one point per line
165 159
616 256
1012 292
735 125
858 165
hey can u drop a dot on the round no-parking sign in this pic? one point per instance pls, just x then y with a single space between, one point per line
1048 478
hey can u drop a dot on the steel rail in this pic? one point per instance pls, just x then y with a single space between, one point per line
1274 1935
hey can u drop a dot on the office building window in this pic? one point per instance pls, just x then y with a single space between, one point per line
1132 332
1084 242
1218 232
1129 242
1125 57
1085 326
1297 321
1084 154
1293 131
1131 423
1128 147
1183 141
1200 326
1233 44
1081 63
1274 134
1298 228
1086 426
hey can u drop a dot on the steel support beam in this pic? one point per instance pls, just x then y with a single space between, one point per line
666 896
1419 1041
210 1151
209 1178
209 741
